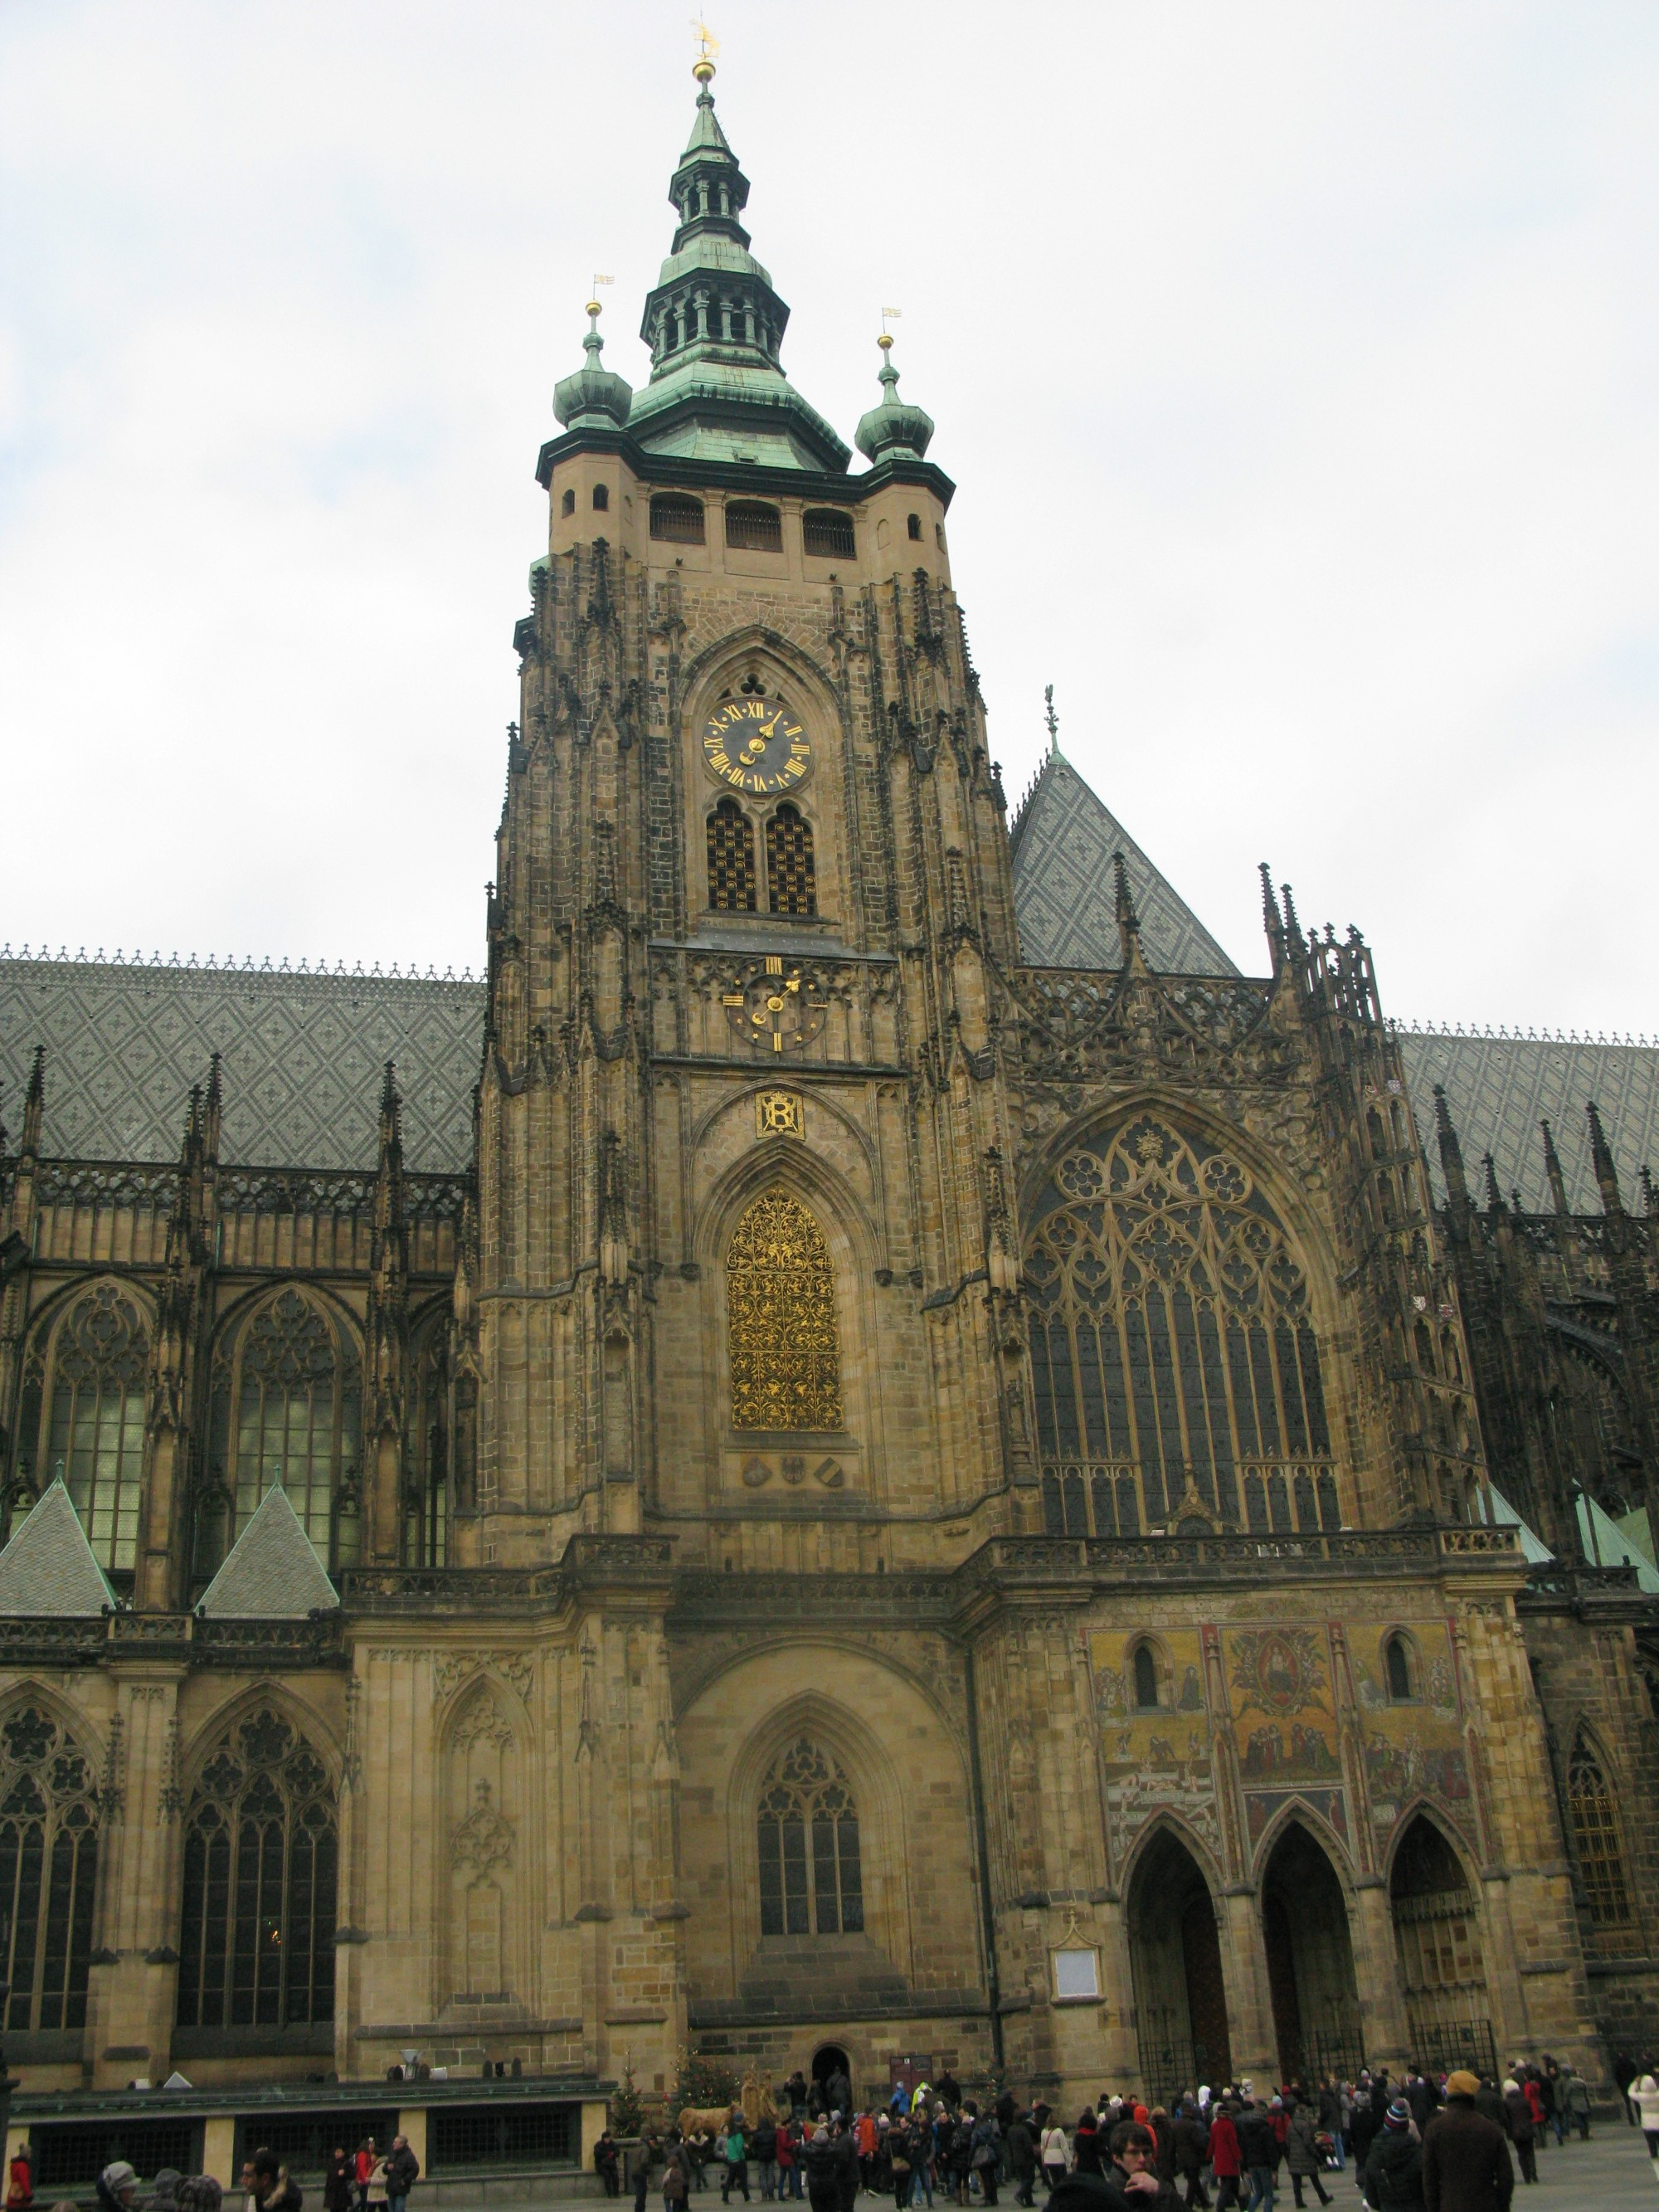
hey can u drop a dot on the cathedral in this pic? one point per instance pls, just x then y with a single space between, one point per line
869 1455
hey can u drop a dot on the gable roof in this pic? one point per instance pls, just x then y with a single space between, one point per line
1063 841
48 1567
272 1573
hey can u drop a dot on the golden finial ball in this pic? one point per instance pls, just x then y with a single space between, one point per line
885 341
702 69
592 308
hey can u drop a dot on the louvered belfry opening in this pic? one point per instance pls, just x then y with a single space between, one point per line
791 876
732 886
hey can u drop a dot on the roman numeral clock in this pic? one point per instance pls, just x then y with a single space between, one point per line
757 746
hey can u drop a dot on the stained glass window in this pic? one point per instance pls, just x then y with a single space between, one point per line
48 1871
1595 1833
1174 1353
811 1876
95 1438
261 1858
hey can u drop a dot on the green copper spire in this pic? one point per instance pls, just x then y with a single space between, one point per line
714 325
594 399
894 428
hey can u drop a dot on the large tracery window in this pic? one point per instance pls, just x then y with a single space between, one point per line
261 1856
811 1879
83 1400
1174 1356
731 859
791 885
286 1408
780 1313
48 1872
1595 1820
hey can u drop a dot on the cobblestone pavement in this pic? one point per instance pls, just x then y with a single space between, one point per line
1611 2173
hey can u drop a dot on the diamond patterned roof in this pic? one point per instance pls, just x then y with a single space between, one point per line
49 1568
1064 839
272 1573
303 1055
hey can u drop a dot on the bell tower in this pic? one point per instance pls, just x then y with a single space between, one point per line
743 1264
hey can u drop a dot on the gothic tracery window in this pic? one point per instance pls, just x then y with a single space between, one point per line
731 859
261 1857
91 1385
781 1316
791 878
1594 1821
48 1872
286 1408
811 1879
1173 1351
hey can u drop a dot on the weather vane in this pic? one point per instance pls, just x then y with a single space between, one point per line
594 302
708 47
1051 718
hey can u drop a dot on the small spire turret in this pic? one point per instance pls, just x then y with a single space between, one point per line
1495 1205
1451 1152
595 398
34 1105
894 428
1128 921
1606 1175
1271 920
1556 1181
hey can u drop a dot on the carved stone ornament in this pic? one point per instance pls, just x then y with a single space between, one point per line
484 1839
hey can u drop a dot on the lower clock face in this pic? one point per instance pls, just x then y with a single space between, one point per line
756 745
778 1012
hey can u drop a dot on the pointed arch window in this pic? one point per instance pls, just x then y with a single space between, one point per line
426 1501
1173 1349
1594 1819
84 1402
261 1862
811 1870
286 1408
792 884
781 1316
48 1872
732 888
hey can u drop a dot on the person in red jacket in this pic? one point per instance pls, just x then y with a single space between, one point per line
1224 2155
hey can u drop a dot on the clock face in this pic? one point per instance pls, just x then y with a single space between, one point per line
756 745
778 1012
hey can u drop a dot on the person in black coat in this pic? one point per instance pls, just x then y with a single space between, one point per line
1466 2165
1391 2179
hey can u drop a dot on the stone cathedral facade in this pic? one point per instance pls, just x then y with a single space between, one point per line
906 1494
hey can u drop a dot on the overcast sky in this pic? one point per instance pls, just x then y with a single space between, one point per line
1298 367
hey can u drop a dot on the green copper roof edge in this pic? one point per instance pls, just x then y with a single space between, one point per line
713 398
681 469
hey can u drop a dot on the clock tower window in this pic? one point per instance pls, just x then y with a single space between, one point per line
732 888
791 876
754 528
676 519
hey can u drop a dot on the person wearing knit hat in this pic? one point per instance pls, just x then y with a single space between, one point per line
1392 2176
1466 2166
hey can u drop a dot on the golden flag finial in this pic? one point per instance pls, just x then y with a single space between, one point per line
592 307
708 47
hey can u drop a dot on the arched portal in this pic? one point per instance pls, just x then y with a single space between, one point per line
1436 1938
1175 1955
1309 1961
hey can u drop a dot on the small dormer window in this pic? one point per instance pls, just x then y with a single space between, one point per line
568 504
753 528
601 498
913 524
677 518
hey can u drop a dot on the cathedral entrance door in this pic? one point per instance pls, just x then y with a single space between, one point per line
1310 1972
1181 2008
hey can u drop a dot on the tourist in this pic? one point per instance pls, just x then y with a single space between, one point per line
949 2089
1391 2178
1644 2095
1365 2119
1259 2153
366 2160
1022 2157
1133 2150
984 2159
1572 2103
1190 2146
20 2180
117 2185
339 2182
403 2171
1087 2148
200 2193
607 2164
1056 2154
1303 2157
763 2149
1522 2128
1465 2162
733 2152
1224 2155
271 2184
788 2154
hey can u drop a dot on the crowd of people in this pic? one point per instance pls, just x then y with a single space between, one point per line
1417 2142
355 2181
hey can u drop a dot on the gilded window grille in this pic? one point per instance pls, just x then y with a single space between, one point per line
1595 1833
732 888
286 1408
1174 1356
812 1873
261 1873
791 876
780 1314
48 1872
91 1387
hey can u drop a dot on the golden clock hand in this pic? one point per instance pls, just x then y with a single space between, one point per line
793 984
767 728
